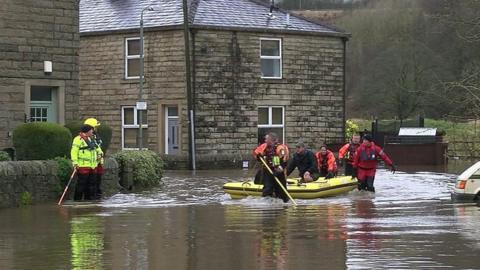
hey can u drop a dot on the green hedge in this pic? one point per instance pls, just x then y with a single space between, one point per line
41 141
351 128
4 156
104 132
147 166
65 169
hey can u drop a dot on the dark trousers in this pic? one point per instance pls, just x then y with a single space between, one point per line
98 189
367 184
271 187
98 182
259 177
348 169
86 188
324 173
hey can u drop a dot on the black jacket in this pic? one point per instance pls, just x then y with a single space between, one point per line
304 162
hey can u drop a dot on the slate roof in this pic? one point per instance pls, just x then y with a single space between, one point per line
98 16
111 15
250 14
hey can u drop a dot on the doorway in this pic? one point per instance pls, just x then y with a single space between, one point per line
43 104
171 130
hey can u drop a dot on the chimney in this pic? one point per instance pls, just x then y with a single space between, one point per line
288 20
270 14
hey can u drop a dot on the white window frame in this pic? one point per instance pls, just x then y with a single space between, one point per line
38 108
129 57
270 120
135 125
272 57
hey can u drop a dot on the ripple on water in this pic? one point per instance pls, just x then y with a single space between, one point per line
206 188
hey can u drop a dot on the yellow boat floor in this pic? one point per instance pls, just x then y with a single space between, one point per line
317 189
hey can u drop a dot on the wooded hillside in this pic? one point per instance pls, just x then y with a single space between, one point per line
407 57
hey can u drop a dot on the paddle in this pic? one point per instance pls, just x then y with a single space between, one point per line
68 184
278 181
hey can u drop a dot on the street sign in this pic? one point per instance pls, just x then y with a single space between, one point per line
141 105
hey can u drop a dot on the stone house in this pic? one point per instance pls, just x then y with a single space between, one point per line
252 69
39 43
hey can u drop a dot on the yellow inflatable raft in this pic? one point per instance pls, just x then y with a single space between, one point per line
313 190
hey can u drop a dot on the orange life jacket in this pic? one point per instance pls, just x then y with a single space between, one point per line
281 150
326 163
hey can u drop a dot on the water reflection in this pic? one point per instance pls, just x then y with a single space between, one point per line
289 237
190 223
364 226
86 239
363 242
271 242
468 219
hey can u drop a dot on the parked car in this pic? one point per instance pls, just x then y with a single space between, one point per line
467 187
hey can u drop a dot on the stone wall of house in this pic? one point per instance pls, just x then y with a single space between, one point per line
37 182
104 89
229 89
227 84
32 32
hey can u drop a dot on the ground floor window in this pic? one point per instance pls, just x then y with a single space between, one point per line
271 119
130 127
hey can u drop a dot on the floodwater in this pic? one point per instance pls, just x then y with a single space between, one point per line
189 223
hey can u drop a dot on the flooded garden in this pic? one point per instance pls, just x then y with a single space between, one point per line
190 223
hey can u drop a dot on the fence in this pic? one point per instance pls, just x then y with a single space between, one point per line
413 139
381 129
417 150
464 149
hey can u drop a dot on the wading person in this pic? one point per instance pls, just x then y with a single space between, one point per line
275 155
304 160
94 123
365 163
347 152
84 155
326 164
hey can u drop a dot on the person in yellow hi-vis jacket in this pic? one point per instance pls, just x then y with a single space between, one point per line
85 155
99 169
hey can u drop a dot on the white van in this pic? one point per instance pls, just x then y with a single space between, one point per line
467 187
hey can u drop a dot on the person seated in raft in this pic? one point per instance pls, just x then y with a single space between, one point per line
326 164
304 160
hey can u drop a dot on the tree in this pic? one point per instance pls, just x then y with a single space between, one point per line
462 94
399 79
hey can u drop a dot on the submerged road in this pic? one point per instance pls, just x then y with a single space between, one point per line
190 223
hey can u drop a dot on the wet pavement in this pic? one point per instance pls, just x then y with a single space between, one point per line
190 223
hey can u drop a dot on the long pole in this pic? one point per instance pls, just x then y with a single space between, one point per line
190 106
278 181
66 188
140 93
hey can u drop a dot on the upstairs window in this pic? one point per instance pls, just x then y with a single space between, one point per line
271 58
132 58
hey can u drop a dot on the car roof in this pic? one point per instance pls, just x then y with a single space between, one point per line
470 171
